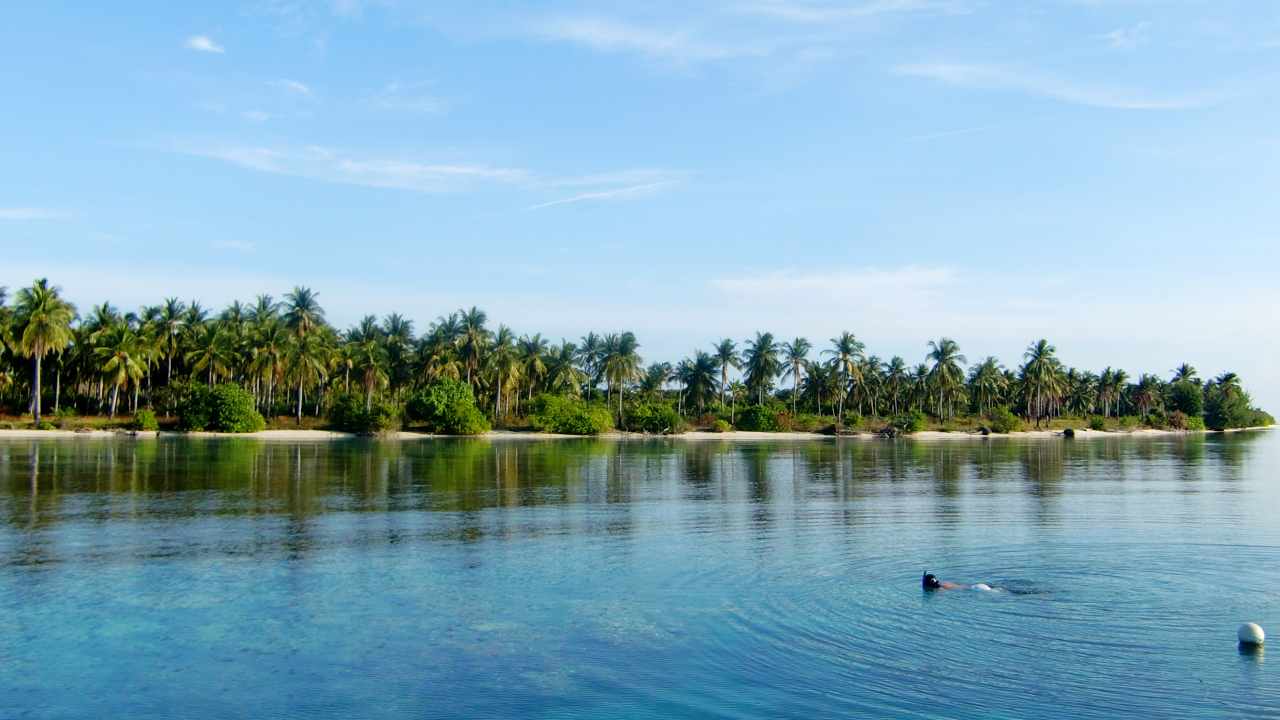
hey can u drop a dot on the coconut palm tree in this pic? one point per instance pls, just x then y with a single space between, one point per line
504 360
698 376
563 374
472 339
307 359
988 384
726 355
532 350
655 378
945 375
622 364
117 350
43 320
210 352
303 313
795 354
762 361
845 353
1041 379
1185 373
591 355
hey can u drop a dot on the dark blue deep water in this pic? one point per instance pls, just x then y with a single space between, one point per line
184 578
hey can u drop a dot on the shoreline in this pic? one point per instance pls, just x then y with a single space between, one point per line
510 435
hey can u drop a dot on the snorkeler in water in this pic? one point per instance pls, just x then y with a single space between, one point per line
931 582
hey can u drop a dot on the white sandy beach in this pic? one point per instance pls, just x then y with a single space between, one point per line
510 435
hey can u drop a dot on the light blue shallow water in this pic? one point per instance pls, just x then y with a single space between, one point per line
666 579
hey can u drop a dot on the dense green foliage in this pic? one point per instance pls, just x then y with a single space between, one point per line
349 413
291 362
909 422
222 408
145 420
446 407
759 418
568 415
654 416
1002 420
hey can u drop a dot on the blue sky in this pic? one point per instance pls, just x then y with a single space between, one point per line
1099 172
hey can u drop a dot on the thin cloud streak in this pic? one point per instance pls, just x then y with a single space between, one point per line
993 77
293 86
203 43
29 213
611 36
625 192
813 13
343 167
949 133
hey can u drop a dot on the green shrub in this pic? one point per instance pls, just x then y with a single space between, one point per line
569 416
1004 421
1187 398
1128 422
222 408
806 422
347 413
1156 418
1097 422
1195 423
853 420
145 420
721 426
910 422
758 418
447 407
46 425
653 416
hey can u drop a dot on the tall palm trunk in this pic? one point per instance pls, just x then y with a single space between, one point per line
57 390
115 397
299 401
35 392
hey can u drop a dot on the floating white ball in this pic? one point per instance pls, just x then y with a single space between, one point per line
1251 634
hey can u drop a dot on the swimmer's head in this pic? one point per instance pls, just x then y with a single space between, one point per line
930 582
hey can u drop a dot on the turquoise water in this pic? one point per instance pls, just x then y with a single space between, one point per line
215 578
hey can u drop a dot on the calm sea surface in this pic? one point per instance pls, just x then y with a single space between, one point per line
214 578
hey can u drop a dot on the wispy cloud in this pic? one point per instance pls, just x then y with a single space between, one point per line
993 77
612 36
814 13
331 165
410 97
203 43
255 116
241 246
614 194
1126 38
28 213
292 86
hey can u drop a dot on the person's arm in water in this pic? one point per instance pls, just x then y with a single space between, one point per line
931 582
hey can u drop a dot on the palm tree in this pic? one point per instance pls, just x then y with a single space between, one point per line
896 380
397 338
762 364
308 362
655 378
946 376
1042 384
698 376
591 355
622 363
1229 384
533 366
302 311
44 326
1185 373
563 375
369 356
504 359
987 382
1147 394
210 351
472 337
795 353
118 350
726 355
845 352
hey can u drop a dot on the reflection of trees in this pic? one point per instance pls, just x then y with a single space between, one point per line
447 488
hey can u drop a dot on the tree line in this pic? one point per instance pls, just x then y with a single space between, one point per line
293 362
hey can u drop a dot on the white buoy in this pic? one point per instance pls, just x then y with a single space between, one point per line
1251 634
